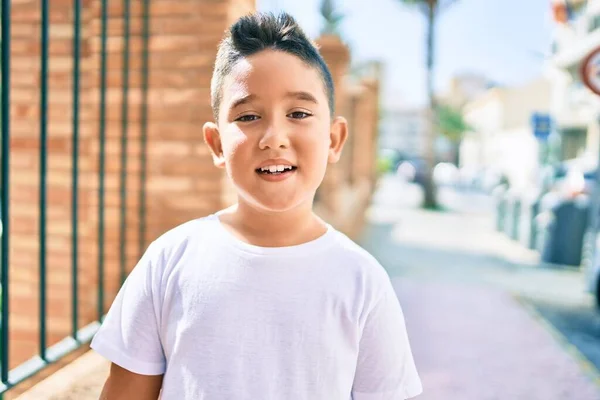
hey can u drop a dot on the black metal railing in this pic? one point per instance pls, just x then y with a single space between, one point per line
5 106
78 336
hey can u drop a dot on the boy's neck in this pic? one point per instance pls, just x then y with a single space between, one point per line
266 229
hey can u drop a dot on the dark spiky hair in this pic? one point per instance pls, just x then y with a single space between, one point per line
256 32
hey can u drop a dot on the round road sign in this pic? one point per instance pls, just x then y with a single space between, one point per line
590 70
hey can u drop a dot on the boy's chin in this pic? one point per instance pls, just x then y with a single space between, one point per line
277 206
272 204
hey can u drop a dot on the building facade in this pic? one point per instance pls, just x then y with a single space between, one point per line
502 140
575 109
403 130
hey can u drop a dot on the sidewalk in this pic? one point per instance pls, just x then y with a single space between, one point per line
80 380
478 343
461 284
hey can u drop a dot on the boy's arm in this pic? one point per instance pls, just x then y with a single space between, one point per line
385 368
129 336
125 385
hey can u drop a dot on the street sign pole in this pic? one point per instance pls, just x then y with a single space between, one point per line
541 125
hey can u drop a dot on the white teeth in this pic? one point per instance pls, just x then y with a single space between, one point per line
276 168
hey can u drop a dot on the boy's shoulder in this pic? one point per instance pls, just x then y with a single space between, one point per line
352 255
192 230
350 248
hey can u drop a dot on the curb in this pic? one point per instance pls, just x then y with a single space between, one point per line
586 366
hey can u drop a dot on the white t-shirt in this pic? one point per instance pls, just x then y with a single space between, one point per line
226 320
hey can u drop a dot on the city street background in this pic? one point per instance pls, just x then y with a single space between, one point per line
486 321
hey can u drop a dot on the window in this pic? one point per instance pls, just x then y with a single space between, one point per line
573 142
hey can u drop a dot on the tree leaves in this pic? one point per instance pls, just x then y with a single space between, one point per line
450 122
331 16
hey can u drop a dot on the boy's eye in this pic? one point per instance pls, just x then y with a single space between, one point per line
247 118
299 115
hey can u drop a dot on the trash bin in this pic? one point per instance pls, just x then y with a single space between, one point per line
499 195
563 238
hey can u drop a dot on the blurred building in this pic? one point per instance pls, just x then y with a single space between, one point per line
403 130
575 109
502 141
464 88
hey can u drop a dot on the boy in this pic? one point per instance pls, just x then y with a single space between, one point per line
261 301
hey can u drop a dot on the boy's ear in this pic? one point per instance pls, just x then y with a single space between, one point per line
212 137
338 135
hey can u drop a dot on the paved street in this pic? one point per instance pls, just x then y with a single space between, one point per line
485 321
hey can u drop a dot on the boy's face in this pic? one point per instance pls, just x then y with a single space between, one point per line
275 115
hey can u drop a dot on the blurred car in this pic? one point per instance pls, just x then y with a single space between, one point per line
413 170
390 157
407 171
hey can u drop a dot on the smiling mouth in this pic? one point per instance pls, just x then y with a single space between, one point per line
276 170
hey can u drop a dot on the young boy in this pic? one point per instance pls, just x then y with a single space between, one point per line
264 300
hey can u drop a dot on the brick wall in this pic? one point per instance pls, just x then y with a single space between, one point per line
182 183
337 56
366 123
360 174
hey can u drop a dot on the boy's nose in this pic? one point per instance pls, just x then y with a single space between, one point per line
274 138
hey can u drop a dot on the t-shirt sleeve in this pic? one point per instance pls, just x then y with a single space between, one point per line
385 368
129 334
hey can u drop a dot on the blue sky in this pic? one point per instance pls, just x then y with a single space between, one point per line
503 39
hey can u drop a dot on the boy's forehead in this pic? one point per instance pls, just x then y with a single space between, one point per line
271 72
238 79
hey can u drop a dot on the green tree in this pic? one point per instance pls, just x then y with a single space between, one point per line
331 16
431 9
450 123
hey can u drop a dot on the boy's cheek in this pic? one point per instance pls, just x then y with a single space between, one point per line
234 144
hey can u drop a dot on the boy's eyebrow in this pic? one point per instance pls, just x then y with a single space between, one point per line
302 96
243 100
